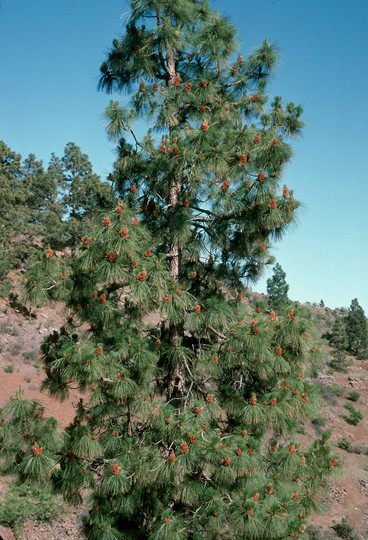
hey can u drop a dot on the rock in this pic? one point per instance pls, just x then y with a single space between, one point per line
363 486
6 533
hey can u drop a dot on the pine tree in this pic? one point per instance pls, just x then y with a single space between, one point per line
357 330
42 203
277 289
12 214
45 205
82 191
339 337
189 431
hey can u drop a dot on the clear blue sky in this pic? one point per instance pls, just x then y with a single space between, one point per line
50 53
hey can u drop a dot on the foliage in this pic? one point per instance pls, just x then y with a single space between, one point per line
345 530
23 502
338 337
195 398
353 396
344 444
44 206
9 368
277 289
357 330
81 191
12 196
315 533
354 417
5 284
339 362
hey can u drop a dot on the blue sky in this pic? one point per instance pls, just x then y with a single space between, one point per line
50 56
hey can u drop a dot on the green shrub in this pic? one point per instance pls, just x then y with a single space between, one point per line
23 502
344 444
5 286
354 417
9 368
345 530
339 362
315 533
353 396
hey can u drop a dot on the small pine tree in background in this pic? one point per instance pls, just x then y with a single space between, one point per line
357 331
188 430
338 337
277 289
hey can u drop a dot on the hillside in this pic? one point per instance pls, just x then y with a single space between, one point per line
347 494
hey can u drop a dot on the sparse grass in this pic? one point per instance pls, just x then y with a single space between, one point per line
327 391
30 356
15 349
337 389
6 328
361 449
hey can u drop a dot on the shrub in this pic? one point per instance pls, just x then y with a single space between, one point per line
5 287
345 530
354 417
339 362
23 502
9 368
344 444
353 396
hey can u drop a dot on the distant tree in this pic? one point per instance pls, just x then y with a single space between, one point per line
45 206
338 337
44 209
82 192
277 289
357 331
13 215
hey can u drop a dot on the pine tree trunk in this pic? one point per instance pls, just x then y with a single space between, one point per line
176 378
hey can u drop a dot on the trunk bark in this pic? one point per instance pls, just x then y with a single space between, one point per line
176 378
